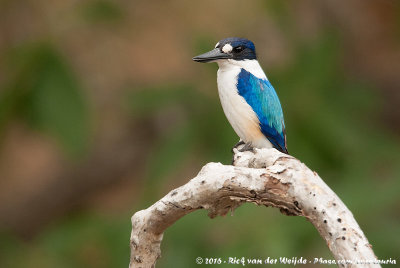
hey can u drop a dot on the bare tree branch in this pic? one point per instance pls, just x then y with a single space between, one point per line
264 177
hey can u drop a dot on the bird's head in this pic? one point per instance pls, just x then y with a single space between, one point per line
230 49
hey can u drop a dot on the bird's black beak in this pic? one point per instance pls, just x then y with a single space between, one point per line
212 55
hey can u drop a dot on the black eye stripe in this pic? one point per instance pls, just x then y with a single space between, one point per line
238 49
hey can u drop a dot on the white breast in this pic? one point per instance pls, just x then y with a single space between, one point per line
240 115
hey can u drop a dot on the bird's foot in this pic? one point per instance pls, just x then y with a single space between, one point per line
241 146
247 147
237 145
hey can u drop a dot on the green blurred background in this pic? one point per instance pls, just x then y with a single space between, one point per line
103 112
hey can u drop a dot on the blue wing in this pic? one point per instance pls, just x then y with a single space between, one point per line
261 96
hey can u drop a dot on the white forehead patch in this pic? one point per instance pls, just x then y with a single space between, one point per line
217 45
227 48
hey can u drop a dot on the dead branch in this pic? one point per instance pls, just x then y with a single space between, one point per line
264 177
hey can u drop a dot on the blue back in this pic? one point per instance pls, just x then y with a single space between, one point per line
261 96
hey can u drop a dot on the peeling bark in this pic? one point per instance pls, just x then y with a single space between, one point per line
263 177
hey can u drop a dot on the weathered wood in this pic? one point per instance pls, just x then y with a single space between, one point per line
264 177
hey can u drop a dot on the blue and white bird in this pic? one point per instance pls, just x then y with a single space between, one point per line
248 99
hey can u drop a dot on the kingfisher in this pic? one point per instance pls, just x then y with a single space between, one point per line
248 99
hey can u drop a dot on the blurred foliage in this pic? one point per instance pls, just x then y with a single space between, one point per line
81 241
102 11
44 92
326 126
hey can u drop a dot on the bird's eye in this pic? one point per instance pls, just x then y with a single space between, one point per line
238 49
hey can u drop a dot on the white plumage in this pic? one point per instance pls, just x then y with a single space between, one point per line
239 113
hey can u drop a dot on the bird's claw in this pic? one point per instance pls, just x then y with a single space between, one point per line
241 146
237 145
247 147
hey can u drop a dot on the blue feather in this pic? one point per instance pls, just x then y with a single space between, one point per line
261 96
